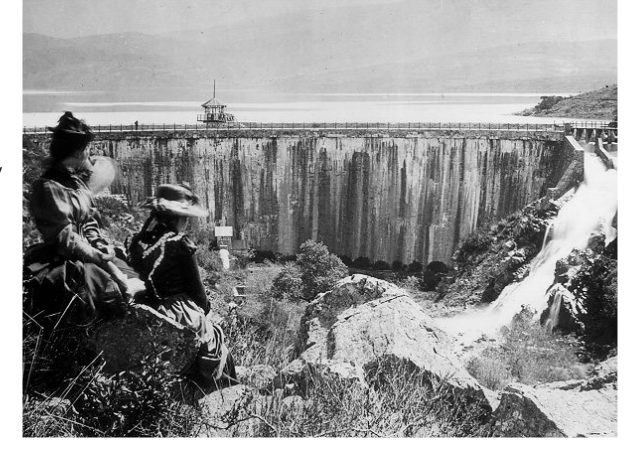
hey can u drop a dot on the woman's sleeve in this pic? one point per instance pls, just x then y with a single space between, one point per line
190 271
91 229
53 218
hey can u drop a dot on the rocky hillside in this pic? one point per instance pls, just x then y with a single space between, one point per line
348 356
601 104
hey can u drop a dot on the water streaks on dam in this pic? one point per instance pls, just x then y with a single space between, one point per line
394 195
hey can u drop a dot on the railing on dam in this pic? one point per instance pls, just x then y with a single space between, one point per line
330 126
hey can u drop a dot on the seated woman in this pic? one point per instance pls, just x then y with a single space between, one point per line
75 270
164 257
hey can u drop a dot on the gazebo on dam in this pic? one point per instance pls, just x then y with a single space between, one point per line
215 112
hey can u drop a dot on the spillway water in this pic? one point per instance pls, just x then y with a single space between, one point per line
591 209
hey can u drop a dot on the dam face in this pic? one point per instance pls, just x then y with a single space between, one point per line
394 196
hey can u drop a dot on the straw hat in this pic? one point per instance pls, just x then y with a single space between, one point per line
177 200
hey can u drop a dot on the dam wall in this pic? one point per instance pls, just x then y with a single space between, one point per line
391 196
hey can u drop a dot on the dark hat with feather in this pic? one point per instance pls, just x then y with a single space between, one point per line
69 136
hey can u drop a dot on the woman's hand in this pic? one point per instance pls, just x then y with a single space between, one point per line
135 285
108 252
119 278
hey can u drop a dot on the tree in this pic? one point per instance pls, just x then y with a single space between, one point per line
320 269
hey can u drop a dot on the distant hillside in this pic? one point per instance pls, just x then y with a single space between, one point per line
354 49
600 104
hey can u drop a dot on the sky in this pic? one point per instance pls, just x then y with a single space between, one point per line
73 18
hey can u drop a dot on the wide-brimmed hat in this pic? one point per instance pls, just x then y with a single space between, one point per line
177 200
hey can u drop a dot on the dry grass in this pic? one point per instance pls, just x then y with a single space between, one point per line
398 401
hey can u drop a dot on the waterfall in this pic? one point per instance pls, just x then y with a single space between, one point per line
591 209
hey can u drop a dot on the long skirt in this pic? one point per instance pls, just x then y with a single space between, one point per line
213 359
73 292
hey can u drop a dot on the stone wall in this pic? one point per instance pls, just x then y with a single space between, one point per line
395 196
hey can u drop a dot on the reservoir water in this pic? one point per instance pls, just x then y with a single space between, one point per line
43 108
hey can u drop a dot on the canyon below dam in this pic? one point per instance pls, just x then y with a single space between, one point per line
386 195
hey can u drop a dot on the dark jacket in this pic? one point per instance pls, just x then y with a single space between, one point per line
64 212
166 263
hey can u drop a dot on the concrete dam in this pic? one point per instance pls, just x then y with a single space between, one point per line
390 195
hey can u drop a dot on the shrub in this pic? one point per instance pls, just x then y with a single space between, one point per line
547 102
361 262
288 283
208 259
133 403
346 260
398 266
381 265
528 354
320 269
62 363
259 256
118 219
477 242
596 286
415 266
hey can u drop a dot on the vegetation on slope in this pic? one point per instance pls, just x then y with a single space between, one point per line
595 286
528 354
66 393
601 104
494 256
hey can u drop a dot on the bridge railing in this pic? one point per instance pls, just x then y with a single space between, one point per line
120 128
594 124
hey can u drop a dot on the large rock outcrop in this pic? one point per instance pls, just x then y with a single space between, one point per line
578 408
563 312
363 320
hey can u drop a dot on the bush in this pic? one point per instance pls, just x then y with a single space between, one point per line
398 266
319 268
133 403
528 354
361 262
596 286
61 364
119 221
259 256
381 265
415 266
547 101
288 283
346 260
477 242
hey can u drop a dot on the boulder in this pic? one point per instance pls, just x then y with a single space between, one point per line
577 408
224 411
144 333
563 312
349 329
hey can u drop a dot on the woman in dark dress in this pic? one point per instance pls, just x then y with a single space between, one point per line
75 271
164 256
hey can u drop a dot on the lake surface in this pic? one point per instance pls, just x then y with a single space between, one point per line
455 107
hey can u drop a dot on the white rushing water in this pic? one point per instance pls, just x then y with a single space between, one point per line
590 209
